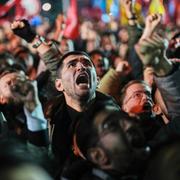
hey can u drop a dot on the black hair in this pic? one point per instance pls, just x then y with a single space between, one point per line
64 56
96 51
9 63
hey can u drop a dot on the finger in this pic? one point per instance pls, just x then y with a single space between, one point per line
159 16
155 16
162 41
17 24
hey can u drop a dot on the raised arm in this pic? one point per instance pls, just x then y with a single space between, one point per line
151 51
129 10
151 23
23 29
46 49
26 91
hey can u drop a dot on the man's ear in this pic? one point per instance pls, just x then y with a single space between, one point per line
3 100
58 85
98 156
98 81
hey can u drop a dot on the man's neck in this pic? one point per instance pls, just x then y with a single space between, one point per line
79 104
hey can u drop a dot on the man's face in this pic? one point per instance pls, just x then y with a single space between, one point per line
78 77
101 64
6 84
137 99
112 139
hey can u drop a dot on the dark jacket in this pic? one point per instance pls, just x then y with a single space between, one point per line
62 122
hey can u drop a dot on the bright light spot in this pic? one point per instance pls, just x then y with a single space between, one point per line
46 6
105 18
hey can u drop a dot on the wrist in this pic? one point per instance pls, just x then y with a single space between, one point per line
131 15
38 40
163 68
146 33
132 19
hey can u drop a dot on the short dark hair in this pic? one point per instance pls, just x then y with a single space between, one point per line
96 51
64 56
8 63
123 91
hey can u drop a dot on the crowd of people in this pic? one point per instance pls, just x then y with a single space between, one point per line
103 106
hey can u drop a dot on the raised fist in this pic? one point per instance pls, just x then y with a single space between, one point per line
23 29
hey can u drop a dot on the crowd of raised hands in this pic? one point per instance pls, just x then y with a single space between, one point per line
103 106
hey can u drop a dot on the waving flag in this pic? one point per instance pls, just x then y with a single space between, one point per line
156 6
15 9
71 30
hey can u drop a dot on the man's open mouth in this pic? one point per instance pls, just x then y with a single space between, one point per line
82 79
147 107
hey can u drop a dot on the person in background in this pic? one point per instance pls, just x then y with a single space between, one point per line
76 81
103 143
100 62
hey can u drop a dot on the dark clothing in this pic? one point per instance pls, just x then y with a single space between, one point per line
135 33
14 126
63 121
167 133
169 87
84 170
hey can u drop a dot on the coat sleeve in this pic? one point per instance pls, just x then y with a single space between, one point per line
51 60
169 87
110 84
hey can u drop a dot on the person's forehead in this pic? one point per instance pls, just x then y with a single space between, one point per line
9 75
75 57
96 57
12 75
137 87
103 114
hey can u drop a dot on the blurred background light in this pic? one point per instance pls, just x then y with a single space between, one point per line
46 6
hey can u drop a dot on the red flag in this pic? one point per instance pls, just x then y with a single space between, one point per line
71 30
5 8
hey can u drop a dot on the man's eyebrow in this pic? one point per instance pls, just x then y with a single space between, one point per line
75 59
72 61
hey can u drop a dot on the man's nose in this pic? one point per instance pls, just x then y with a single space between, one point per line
80 66
144 97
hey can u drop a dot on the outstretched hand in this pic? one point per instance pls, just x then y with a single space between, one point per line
151 51
149 48
26 91
151 23
123 67
128 5
23 29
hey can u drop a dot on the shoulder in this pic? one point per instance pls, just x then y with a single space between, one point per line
105 98
54 105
